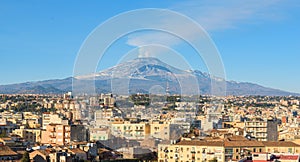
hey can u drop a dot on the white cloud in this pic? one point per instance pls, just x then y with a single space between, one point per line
144 40
211 15
219 15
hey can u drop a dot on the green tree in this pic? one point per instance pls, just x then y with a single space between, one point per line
25 157
3 134
213 160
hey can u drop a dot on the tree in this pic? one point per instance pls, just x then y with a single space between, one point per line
213 160
25 157
3 134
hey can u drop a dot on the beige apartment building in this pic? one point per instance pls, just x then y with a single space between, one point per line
130 129
52 118
257 129
282 147
230 149
160 129
29 135
58 134
191 151
100 134
238 147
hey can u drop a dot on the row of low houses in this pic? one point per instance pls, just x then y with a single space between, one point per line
232 148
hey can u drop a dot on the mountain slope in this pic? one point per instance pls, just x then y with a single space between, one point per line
143 75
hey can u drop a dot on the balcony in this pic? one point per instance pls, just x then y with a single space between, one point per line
139 135
127 135
139 130
52 141
67 129
261 131
228 153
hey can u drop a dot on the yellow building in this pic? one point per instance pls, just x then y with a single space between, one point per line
51 118
130 129
230 149
238 147
235 124
160 129
191 151
100 134
282 147
29 135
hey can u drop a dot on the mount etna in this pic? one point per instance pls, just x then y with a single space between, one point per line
141 75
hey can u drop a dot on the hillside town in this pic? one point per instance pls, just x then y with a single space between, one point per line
141 127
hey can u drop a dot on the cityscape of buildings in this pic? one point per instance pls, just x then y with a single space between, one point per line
109 127
150 81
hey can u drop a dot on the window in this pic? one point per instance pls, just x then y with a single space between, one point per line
254 149
237 150
228 151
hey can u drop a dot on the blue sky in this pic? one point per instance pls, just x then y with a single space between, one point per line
258 40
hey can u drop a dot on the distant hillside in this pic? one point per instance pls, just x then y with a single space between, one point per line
142 74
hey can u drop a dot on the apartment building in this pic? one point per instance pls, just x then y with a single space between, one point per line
107 100
130 129
6 127
29 135
58 134
257 129
48 118
33 121
191 151
281 147
237 147
99 134
262 130
160 129
232 148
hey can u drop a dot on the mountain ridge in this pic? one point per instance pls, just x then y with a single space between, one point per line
143 74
